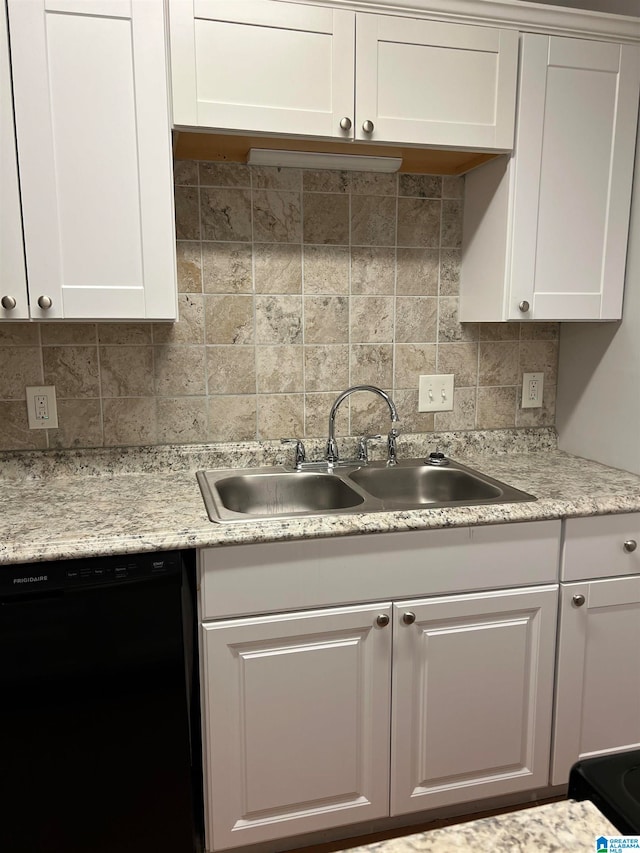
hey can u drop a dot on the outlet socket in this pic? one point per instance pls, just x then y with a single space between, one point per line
41 407
435 393
532 389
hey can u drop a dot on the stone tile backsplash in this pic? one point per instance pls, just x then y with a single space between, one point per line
293 286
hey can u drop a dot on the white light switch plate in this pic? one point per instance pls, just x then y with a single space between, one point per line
435 393
532 388
41 407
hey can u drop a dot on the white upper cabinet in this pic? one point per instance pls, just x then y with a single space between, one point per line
13 280
545 232
94 153
283 68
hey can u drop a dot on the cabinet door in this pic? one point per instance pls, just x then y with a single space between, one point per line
13 280
262 66
296 723
472 694
431 83
598 681
95 157
573 172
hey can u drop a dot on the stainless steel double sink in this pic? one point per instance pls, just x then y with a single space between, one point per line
260 494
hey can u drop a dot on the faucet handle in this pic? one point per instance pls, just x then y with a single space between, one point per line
301 453
363 449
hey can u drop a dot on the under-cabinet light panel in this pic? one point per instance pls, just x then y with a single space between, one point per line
318 160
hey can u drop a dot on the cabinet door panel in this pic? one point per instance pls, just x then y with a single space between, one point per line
13 279
95 169
598 682
296 723
434 83
573 171
472 692
274 68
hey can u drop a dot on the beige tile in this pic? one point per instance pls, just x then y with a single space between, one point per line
279 369
417 272
187 213
373 220
20 367
326 269
370 416
539 356
20 334
373 270
326 368
412 361
189 260
371 319
231 370
185 173
190 326
229 319
498 363
179 371
326 218
225 175
73 370
79 424
420 186
372 364
499 331
461 359
124 334
416 319
232 418
227 268
373 183
126 371
14 428
545 415
453 186
449 272
277 267
130 422
275 178
411 420
325 181
280 415
496 408
317 408
278 319
277 217
449 327
451 232
463 416
226 214
538 331
419 222
68 333
326 319
182 420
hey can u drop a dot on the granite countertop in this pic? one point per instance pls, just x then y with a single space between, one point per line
567 826
84 503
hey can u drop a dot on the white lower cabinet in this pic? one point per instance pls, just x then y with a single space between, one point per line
319 718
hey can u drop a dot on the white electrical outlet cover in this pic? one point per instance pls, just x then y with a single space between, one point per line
48 405
532 390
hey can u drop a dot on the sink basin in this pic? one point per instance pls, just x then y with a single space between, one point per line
260 494
273 495
424 485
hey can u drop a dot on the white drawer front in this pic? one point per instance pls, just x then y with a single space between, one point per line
595 547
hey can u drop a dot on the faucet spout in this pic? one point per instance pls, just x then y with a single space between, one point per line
332 456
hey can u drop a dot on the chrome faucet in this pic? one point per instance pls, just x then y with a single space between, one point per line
332 456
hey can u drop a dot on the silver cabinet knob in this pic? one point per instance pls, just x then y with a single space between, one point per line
345 123
367 126
630 546
382 620
45 302
8 303
578 600
524 306
409 618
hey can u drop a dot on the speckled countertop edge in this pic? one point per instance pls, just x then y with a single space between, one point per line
82 514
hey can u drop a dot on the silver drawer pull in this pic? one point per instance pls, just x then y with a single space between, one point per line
630 546
382 620
578 600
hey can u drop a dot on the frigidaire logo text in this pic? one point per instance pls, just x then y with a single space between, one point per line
31 579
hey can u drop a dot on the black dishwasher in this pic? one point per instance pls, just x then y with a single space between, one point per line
99 728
